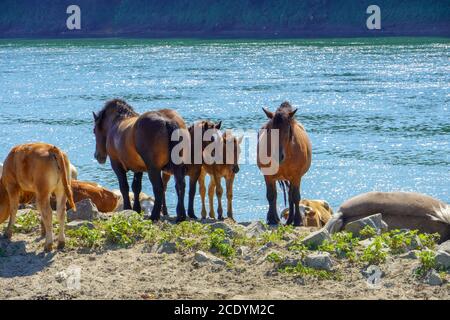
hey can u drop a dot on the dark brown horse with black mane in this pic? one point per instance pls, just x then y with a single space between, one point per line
140 143
285 159
198 133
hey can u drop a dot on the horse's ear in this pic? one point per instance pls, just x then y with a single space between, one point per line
268 113
292 113
218 125
240 139
95 116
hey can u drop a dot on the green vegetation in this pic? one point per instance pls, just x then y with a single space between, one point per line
276 235
376 252
343 244
274 257
427 262
302 271
27 222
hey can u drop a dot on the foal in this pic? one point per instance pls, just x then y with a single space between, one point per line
226 169
290 159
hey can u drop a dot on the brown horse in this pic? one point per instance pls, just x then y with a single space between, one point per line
140 143
227 169
287 162
197 132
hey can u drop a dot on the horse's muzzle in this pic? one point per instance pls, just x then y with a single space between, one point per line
235 169
100 159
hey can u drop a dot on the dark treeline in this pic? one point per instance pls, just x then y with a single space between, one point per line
233 18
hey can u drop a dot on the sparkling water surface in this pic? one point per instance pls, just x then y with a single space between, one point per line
377 110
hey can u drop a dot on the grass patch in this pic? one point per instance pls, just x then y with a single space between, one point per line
342 244
274 257
427 260
303 271
28 222
276 235
220 243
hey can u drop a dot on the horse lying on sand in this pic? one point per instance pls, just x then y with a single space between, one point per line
140 143
400 210
227 169
292 156
43 170
317 212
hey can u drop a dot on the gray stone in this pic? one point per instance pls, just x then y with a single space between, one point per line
315 239
443 259
375 221
255 229
147 206
374 272
76 224
444 246
245 223
86 210
415 244
265 247
203 257
433 279
244 252
166 247
366 242
225 227
409 255
321 261
290 262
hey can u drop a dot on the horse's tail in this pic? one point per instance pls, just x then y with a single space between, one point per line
284 184
64 174
171 127
335 223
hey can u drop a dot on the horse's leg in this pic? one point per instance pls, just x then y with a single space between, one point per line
14 198
180 186
158 190
296 198
290 219
271 194
211 189
192 189
123 184
219 193
202 187
165 180
137 187
43 200
229 186
61 200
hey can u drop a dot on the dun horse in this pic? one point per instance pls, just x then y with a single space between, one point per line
292 156
227 169
41 170
140 143
194 167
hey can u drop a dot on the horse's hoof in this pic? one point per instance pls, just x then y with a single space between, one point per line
7 235
180 219
154 218
220 218
193 217
61 245
48 247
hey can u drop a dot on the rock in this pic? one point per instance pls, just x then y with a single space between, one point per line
444 246
166 247
147 206
321 261
244 252
366 242
86 210
409 255
229 231
255 229
443 259
76 224
245 223
315 239
373 273
433 279
375 221
203 257
265 247
61 276
415 244
290 262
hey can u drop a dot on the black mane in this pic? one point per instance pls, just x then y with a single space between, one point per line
119 106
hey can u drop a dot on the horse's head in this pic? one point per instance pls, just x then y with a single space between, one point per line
205 130
282 120
113 111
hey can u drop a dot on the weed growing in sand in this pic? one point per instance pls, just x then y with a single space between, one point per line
429 241
303 271
368 232
125 230
220 243
274 257
85 237
277 234
427 260
342 244
28 222
376 252
188 235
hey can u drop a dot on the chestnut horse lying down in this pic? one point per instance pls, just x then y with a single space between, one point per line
400 210
41 169
317 212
